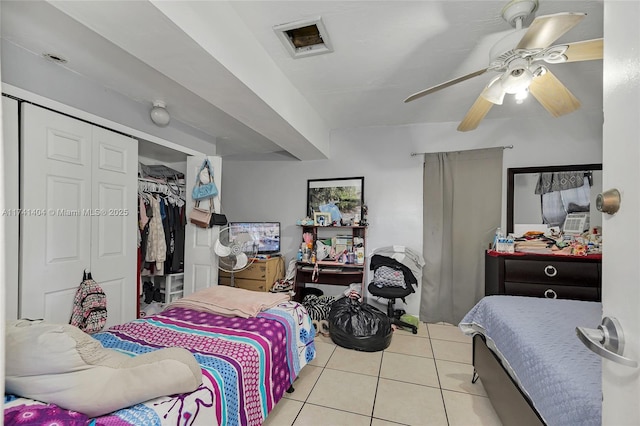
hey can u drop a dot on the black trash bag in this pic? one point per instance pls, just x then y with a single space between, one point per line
359 326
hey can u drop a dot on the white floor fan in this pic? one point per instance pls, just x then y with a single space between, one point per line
236 249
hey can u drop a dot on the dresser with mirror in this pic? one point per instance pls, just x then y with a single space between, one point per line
543 274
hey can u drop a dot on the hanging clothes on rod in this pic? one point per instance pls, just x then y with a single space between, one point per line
162 219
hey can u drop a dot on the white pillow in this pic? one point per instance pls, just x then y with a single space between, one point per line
62 365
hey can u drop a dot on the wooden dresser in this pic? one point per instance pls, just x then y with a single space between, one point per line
259 276
562 277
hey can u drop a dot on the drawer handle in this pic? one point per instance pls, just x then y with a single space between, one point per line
550 294
550 271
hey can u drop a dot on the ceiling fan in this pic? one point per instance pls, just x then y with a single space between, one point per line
521 58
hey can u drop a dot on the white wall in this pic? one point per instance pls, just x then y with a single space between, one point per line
276 190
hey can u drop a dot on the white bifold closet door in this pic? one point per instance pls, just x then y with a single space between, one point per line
10 135
200 263
79 212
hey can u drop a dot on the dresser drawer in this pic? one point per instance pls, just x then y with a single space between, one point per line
552 291
255 271
254 285
583 274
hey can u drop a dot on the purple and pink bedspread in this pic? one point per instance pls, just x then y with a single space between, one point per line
247 365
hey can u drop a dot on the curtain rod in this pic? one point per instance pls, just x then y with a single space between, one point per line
413 154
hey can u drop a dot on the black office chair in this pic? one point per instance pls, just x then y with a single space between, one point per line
393 293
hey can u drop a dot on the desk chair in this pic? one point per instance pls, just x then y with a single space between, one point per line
391 294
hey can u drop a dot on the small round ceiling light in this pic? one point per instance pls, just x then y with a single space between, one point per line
159 114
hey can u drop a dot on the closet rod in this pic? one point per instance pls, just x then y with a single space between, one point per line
175 189
413 154
159 182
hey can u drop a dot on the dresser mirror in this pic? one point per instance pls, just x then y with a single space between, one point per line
545 195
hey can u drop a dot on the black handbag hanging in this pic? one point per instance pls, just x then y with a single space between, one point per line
218 219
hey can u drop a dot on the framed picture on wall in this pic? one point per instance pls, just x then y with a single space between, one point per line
341 198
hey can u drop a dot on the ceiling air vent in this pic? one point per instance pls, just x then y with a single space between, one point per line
304 38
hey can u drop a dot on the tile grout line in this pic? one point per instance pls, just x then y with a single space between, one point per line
439 383
313 387
371 417
375 395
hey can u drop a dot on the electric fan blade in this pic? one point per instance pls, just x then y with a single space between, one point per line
587 50
553 95
476 113
444 85
243 238
241 261
544 30
220 250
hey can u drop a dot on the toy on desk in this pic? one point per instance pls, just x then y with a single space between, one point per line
306 221
307 237
365 211
579 249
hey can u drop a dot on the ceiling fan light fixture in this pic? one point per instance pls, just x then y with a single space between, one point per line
494 92
539 72
518 77
521 96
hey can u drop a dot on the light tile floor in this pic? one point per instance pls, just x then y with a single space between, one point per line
422 379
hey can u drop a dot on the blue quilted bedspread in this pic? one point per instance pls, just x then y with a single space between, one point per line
537 338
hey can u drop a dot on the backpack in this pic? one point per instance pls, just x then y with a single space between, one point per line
89 307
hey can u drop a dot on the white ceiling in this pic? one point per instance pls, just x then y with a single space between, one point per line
221 68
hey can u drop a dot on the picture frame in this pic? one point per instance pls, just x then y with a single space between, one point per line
341 198
322 219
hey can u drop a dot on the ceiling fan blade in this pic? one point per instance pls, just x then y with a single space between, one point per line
476 113
587 50
444 85
553 95
544 30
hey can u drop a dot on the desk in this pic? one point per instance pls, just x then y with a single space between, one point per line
332 273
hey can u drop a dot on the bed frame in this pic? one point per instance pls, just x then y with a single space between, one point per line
511 404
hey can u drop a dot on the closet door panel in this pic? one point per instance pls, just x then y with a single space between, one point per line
55 194
114 226
200 263
118 299
10 151
65 204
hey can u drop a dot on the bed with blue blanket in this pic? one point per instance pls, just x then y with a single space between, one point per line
533 366
247 365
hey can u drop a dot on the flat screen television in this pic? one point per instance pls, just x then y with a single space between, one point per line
265 234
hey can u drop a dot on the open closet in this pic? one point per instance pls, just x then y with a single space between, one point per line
161 234
75 188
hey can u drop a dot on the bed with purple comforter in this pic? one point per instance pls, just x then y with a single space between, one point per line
247 365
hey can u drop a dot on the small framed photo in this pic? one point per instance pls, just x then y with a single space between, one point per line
321 219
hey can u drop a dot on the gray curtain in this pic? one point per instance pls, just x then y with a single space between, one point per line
462 208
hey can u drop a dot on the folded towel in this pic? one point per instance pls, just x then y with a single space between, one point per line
230 301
